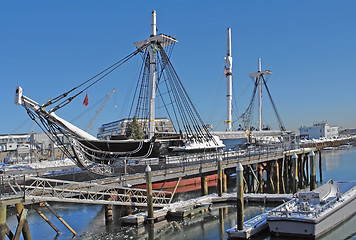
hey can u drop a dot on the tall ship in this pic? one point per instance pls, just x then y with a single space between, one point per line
143 138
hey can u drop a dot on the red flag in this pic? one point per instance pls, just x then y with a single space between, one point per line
86 100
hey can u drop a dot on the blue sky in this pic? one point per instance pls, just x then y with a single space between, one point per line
47 47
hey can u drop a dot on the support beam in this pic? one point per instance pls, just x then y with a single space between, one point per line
3 209
295 172
60 218
219 185
312 171
25 229
47 220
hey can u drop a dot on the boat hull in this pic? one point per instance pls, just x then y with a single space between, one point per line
185 185
313 227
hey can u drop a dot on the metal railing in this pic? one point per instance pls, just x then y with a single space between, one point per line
42 189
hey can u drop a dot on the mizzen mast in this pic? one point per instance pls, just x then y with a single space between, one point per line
259 75
228 73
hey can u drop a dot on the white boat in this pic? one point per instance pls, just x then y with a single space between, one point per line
312 214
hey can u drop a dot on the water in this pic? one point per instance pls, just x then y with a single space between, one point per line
88 220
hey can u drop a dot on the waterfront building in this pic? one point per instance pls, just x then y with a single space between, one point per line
119 127
318 130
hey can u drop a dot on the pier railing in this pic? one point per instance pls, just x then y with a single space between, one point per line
36 189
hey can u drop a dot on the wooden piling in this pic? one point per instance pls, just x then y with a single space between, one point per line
224 183
260 178
108 212
276 166
295 172
25 229
150 216
312 171
240 196
3 209
219 184
320 168
204 185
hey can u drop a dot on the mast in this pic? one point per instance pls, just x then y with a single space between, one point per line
152 83
228 68
258 76
259 96
153 41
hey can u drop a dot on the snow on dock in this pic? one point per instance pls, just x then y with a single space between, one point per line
202 204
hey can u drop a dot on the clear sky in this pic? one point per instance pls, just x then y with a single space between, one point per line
48 47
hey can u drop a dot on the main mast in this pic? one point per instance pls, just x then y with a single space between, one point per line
228 68
152 84
153 41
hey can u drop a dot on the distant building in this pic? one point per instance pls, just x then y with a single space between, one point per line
10 142
318 130
119 127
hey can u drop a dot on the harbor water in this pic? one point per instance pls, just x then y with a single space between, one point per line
89 220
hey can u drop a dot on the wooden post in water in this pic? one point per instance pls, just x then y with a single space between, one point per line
276 166
240 196
224 182
204 185
150 217
312 171
320 168
25 229
219 185
260 177
306 168
108 212
295 172
3 209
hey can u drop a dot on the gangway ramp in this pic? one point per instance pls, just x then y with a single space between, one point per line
37 189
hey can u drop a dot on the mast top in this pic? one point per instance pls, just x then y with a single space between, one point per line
163 39
260 72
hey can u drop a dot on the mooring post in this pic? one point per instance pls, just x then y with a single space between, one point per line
240 196
224 182
204 185
312 171
320 168
260 177
307 169
276 166
150 217
219 185
3 209
295 172
108 212
25 229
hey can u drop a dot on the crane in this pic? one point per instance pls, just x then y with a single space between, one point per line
100 109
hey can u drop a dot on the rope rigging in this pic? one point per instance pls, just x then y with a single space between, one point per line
93 81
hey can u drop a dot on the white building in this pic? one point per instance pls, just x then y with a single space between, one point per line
318 130
119 127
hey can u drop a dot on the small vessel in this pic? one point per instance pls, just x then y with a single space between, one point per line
312 214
